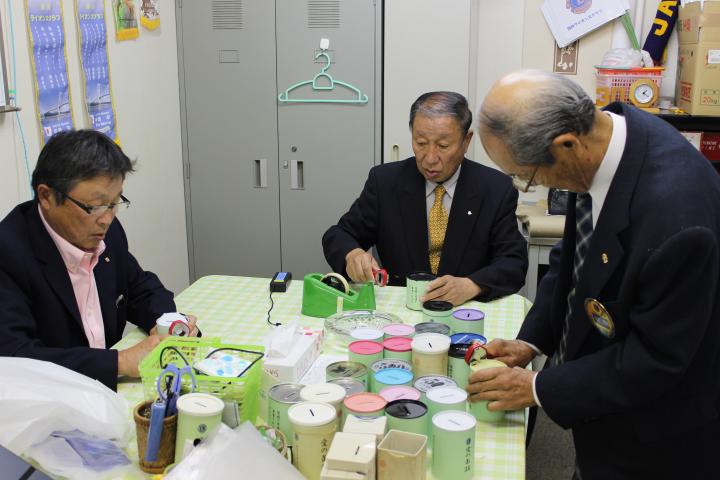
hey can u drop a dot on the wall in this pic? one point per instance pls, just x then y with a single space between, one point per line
145 87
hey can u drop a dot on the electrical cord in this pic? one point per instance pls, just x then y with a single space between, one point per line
272 304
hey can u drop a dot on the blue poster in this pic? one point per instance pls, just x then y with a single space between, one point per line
47 40
94 58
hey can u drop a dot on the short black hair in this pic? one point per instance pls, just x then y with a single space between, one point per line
443 104
73 156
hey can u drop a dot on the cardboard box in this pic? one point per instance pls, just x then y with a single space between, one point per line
710 146
698 84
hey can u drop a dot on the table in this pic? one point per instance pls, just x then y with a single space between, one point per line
235 309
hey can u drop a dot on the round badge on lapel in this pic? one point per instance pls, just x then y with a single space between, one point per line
600 317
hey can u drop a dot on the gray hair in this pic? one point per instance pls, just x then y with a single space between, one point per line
558 106
443 104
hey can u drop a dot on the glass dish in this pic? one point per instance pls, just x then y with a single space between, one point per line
343 323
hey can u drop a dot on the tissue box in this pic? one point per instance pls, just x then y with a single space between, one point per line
292 367
352 452
373 426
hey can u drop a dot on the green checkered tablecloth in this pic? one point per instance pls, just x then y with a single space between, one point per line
235 309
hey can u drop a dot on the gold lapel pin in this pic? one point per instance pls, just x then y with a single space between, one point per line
107 259
605 258
469 212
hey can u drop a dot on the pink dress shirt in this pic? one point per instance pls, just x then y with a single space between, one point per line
80 264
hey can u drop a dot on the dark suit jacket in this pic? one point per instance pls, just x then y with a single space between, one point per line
482 241
643 404
39 316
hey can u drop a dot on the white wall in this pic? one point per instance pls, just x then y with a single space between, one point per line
145 88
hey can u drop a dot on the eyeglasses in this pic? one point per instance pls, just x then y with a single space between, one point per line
100 210
520 184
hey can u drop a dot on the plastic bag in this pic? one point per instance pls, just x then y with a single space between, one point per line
38 398
626 58
240 450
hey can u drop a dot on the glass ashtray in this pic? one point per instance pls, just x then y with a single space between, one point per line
355 325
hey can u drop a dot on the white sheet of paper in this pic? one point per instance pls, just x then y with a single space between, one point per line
569 20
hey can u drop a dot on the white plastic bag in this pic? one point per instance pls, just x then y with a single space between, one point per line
626 58
38 398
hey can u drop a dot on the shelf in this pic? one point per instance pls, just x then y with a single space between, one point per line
692 123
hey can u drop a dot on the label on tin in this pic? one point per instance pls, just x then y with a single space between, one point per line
346 369
390 363
431 381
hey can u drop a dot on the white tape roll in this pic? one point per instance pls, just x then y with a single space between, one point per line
339 278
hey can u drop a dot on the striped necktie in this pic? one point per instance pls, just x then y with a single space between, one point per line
583 232
437 222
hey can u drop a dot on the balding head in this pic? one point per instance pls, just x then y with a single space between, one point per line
528 109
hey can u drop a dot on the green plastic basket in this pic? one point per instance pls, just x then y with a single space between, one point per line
181 351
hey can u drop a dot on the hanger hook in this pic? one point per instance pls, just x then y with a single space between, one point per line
327 57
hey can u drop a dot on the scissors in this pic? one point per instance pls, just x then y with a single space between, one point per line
169 384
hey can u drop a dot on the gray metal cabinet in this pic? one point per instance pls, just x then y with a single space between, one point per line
266 178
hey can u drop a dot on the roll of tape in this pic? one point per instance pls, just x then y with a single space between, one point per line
336 281
179 329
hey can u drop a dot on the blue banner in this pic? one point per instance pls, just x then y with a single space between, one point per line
94 58
47 40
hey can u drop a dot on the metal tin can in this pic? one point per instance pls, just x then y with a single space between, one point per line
349 384
446 397
398 347
453 444
366 352
355 370
398 330
416 284
423 384
407 416
401 392
437 311
281 397
458 369
468 320
325 393
389 377
430 354
314 425
479 409
364 405
382 365
432 327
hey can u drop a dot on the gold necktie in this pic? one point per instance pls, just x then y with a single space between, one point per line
437 220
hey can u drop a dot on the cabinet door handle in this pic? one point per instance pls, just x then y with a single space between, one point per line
395 153
297 175
260 173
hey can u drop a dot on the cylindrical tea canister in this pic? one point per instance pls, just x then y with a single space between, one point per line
398 347
407 416
355 370
453 444
458 369
364 405
479 409
423 384
391 377
468 320
416 285
437 311
365 351
444 398
349 384
429 354
367 333
398 330
432 327
401 392
280 398
198 415
314 425
324 393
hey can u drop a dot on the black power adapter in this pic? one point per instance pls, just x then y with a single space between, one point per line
279 283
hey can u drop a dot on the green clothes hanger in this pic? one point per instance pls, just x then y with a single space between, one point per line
285 96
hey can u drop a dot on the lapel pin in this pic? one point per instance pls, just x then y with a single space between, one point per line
107 259
469 212
605 258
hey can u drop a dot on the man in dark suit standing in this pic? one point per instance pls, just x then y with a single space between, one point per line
436 212
68 283
629 312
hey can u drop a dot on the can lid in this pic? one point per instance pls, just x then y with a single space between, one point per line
427 382
366 333
365 402
398 344
465 337
446 394
200 404
323 392
366 347
431 343
437 306
350 385
398 329
346 369
454 421
406 409
390 363
393 376
286 392
468 314
471 350
311 414
432 327
400 392
421 277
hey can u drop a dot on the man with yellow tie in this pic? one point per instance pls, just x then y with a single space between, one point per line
436 212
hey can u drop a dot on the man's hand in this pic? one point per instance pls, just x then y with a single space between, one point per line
359 265
129 359
456 290
505 388
512 353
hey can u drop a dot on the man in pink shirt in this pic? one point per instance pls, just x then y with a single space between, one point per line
68 283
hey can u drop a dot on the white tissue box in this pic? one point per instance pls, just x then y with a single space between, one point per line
305 349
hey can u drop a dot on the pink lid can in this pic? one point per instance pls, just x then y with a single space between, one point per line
365 347
364 403
398 330
401 392
398 344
